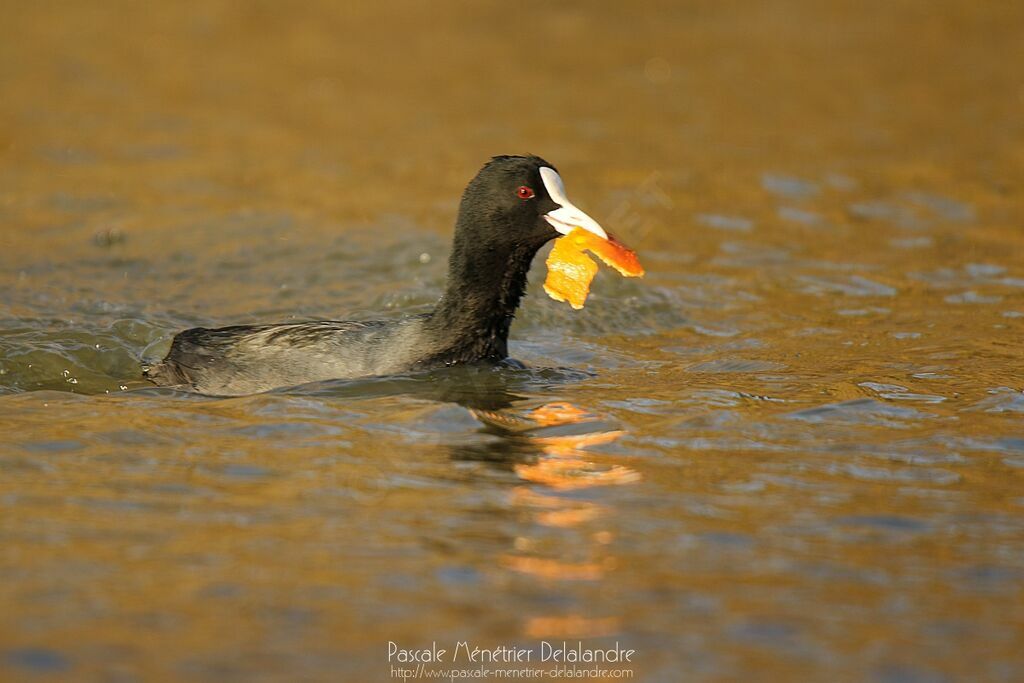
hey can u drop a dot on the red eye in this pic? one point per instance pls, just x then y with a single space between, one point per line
524 192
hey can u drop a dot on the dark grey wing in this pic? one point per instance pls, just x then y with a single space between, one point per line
197 351
249 359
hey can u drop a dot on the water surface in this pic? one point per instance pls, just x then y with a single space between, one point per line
793 451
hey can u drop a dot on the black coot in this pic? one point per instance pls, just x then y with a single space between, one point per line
510 209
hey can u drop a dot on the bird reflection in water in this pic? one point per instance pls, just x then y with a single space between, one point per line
559 480
559 434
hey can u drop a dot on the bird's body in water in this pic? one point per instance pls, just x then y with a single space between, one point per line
510 209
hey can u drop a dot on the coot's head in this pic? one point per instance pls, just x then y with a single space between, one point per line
519 201
508 211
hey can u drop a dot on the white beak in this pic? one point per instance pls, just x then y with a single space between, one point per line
566 217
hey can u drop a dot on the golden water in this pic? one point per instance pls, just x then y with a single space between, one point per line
794 451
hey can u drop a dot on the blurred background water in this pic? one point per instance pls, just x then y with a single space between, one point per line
792 452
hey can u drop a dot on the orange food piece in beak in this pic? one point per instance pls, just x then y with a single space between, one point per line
570 271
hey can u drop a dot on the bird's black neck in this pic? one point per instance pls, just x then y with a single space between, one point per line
485 284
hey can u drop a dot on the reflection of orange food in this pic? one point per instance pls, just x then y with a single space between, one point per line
572 626
559 413
566 474
566 519
568 445
570 271
544 568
